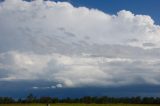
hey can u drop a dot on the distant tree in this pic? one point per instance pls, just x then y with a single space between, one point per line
87 99
30 98
55 100
6 100
45 99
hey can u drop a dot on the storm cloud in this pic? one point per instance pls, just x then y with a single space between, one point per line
76 46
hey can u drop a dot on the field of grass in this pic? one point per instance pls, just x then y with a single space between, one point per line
80 105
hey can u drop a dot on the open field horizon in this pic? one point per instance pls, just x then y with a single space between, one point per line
80 104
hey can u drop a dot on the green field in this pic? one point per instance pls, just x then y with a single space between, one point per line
80 105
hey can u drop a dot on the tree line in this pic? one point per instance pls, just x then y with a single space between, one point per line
87 100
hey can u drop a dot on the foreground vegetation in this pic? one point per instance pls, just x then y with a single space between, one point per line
91 101
80 105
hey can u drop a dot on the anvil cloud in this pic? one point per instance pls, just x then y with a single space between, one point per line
76 46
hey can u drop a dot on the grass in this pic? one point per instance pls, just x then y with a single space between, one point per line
80 105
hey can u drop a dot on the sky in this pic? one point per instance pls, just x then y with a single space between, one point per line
78 48
145 7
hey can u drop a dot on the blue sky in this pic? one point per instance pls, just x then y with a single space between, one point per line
79 47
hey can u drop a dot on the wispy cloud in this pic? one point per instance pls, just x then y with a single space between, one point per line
47 87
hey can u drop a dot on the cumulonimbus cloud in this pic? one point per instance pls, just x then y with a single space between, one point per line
76 46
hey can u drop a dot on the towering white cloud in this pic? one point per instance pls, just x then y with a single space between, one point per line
76 46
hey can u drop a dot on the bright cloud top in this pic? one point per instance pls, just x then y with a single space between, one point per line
76 47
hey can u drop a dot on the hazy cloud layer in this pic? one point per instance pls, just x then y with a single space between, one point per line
76 47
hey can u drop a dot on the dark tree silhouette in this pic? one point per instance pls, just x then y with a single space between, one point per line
87 100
